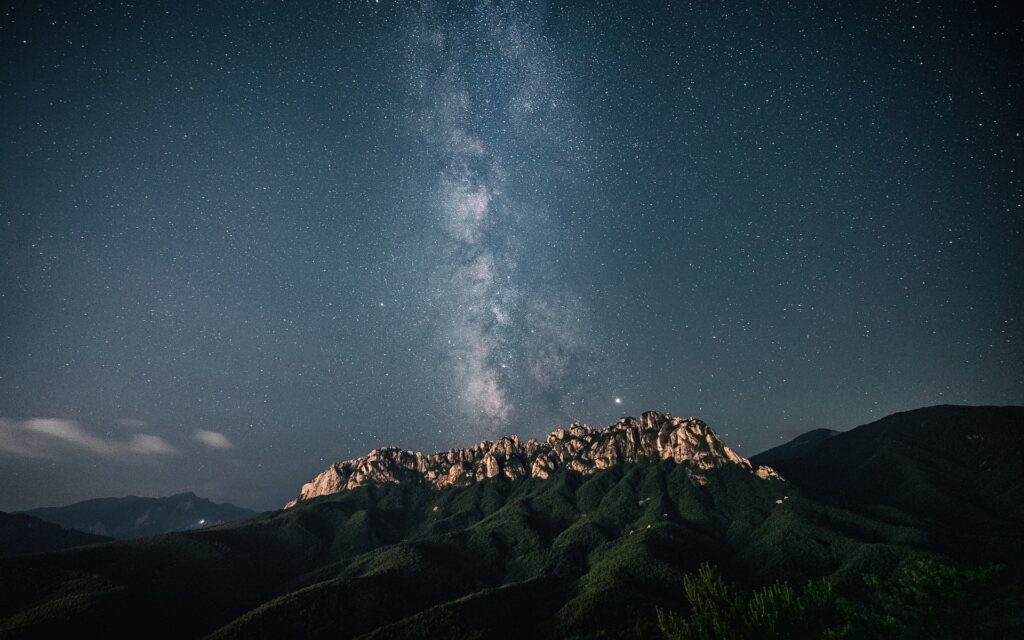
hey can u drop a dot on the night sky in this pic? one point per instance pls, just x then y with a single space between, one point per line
242 240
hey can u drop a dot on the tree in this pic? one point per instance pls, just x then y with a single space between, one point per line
718 611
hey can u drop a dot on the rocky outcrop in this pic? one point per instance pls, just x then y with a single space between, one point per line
580 448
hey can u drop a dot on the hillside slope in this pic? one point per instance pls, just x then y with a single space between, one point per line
955 466
795 448
22 534
602 549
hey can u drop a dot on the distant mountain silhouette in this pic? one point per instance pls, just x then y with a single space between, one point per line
134 517
22 534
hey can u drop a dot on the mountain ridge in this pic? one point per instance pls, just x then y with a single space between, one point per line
957 466
795 447
135 517
22 534
580 448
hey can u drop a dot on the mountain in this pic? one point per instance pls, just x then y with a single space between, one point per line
22 534
134 517
581 448
955 466
794 448
389 551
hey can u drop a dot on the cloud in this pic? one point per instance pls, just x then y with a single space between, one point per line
213 439
146 444
67 432
51 437
16 440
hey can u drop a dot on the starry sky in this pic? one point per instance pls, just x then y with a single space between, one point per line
242 240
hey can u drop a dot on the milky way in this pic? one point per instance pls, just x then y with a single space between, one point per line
510 333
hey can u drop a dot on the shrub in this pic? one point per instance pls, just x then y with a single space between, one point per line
718 611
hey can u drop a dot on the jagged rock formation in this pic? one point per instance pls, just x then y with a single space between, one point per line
580 448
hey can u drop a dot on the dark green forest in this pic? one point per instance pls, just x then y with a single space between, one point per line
919 600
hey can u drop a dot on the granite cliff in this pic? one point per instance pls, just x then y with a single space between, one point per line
580 448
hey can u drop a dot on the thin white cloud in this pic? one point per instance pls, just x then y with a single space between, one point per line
51 437
146 444
18 441
213 439
68 432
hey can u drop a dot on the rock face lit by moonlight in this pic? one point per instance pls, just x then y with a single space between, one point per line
579 448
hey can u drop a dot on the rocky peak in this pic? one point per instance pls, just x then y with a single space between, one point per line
580 448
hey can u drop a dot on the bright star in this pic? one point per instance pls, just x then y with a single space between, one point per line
618 400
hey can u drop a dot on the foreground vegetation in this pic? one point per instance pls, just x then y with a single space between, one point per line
921 600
